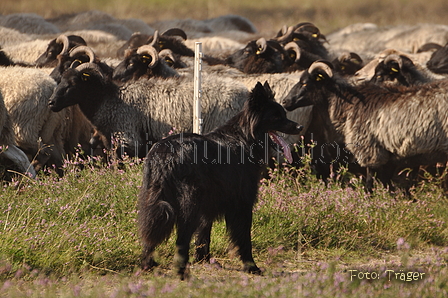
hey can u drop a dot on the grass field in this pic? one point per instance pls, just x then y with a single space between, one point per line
76 236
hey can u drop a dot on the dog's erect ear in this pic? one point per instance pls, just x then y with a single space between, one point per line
258 87
260 95
257 96
267 88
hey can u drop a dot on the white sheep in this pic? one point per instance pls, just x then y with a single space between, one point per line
146 110
26 92
29 23
7 142
10 36
27 51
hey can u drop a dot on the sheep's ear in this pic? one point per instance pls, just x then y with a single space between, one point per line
320 70
169 61
85 76
76 63
319 77
146 59
395 68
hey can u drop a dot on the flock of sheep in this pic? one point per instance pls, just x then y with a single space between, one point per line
95 80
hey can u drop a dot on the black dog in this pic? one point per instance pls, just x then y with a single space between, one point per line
190 180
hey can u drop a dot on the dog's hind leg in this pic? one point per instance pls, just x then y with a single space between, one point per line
156 220
202 243
239 224
185 231
147 260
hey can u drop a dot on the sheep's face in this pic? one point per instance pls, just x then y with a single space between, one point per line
48 58
255 59
308 91
132 67
392 71
54 48
76 87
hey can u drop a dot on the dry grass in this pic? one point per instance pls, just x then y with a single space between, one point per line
268 16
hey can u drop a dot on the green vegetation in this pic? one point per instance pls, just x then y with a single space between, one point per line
77 236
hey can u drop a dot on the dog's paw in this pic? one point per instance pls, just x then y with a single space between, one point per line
252 268
149 264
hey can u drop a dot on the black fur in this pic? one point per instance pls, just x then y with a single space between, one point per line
135 66
438 63
49 57
190 180
250 60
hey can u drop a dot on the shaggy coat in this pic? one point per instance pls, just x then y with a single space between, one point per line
37 130
8 143
43 135
258 56
146 110
403 125
190 180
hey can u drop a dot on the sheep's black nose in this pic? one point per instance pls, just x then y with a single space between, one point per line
299 127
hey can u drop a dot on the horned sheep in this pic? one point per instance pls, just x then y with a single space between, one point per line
145 61
371 39
144 111
382 127
57 46
39 132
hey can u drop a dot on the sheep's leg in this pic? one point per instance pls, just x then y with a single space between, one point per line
385 174
41 156
20 159
57 159
369 180
202 243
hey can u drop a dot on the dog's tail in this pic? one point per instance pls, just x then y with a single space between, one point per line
156 217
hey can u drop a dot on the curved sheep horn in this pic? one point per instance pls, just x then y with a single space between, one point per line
83 50
262 45
175 32
323 65
282 31
382 55
63 39
310 28
394 58
155 39
151 51
302 24
345 56
91 66
293 46
285 34
167 53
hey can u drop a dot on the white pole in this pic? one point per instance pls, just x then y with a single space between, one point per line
197 120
